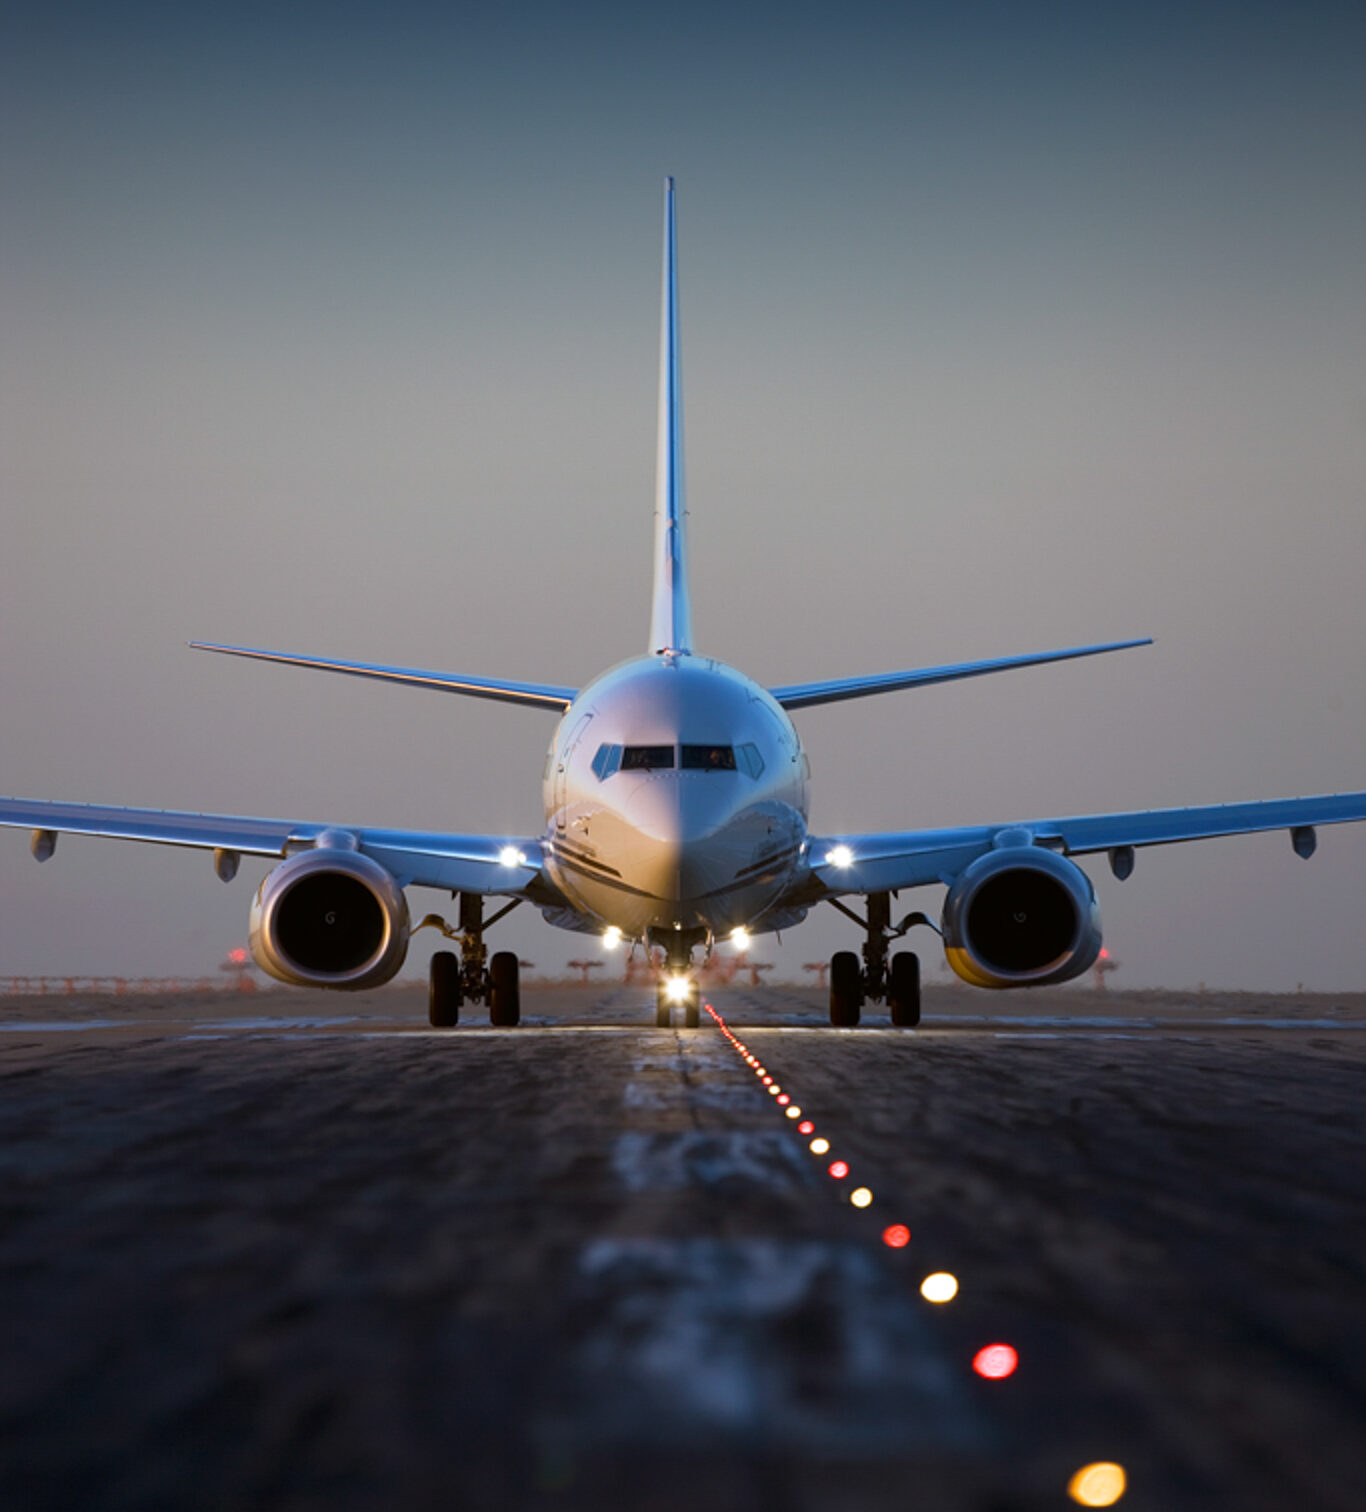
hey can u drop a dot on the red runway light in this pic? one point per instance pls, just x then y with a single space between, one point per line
766 1078
806 1127
783 1100
898 1236
839 1169
995 1362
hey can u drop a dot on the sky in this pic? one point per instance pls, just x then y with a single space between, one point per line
1005 327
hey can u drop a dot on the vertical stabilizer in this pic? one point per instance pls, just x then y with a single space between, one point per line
670 611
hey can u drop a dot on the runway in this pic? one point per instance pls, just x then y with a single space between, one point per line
298 1251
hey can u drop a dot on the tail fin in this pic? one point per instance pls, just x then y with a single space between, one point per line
670 610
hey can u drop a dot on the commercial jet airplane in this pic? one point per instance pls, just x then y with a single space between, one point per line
676 800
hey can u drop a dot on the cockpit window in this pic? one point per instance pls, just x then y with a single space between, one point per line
748 759
607 760
708 758
647 758
612 758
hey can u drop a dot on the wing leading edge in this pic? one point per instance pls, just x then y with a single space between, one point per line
507 865
530 695
804 695
883 862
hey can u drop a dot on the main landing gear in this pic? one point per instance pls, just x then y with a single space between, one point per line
897 982
472 976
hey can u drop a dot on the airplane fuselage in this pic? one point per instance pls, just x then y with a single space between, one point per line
675 797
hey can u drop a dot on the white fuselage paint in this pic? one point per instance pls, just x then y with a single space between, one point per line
674 848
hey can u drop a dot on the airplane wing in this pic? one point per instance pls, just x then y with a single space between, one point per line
916 858
530 695
509 865
803 695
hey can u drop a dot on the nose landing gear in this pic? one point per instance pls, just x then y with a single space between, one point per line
677 987
897 982
687 994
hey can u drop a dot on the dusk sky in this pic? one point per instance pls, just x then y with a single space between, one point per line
1005 326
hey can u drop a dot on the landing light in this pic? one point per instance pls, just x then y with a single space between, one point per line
511 856
611 937
739 937
676 989
839 855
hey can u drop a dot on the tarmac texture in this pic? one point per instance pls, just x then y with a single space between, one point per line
299 1252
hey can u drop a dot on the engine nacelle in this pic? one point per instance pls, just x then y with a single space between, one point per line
330 918
1021 916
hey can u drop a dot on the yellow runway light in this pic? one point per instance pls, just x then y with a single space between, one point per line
1098 1485
940 1287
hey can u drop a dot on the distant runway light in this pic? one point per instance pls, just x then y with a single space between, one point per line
940 1287
995 1362
765 1077
806 1126
774 1090
1098 1485
839 855
860 1197
611 937
783 1100
839 1169
819 1146
795 1112
897 1236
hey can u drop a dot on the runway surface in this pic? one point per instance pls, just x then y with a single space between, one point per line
297 1251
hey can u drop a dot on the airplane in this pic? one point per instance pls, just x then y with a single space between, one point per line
676 796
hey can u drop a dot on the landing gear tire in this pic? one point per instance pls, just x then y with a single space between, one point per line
664 1011
903 990
443 990
692 1007
505 991
846 989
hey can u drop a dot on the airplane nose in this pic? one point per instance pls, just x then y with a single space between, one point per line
672 822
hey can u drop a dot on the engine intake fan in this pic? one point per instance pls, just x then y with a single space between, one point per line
1021 916
330 918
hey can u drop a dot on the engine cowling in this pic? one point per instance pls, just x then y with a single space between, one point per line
1021 917
330 918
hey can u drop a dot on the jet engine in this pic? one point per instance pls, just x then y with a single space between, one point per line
330 918
1021 916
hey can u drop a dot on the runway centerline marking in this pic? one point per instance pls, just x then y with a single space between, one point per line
993 1361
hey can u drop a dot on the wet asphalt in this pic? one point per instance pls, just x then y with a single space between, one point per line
285 1251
